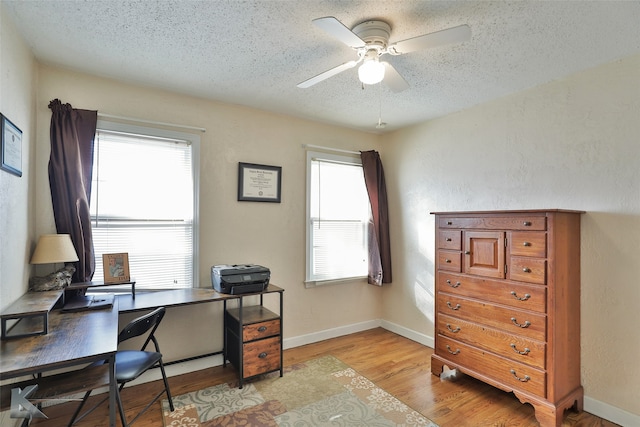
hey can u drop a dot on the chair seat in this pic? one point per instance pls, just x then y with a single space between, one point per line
130 364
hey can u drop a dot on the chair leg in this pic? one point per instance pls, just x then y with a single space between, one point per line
75 414
166 386
123 418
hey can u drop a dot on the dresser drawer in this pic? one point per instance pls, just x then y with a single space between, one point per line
533 223
524 243
512 346
525 323
450 239
261 356
518 295
449 260
260 330
508 372
526 269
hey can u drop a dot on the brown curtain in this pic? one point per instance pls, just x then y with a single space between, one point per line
70 170
379 243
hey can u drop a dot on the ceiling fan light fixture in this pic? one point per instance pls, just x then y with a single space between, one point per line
371 72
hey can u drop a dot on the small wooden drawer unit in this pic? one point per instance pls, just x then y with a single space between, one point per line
253 339
508 304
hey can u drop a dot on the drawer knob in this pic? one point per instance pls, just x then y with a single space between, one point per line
525 325
453 285
523 352
455 331
526 244
457 307
526 270
527 223
262 355
451 351
524 380
262 328
524 298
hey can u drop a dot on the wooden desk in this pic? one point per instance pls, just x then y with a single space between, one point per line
170 298
74 339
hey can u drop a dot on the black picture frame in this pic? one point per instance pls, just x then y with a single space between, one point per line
259 183
11 142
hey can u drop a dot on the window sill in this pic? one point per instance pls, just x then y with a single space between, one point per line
316 283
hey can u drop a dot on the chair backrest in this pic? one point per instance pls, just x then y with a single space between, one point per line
141 325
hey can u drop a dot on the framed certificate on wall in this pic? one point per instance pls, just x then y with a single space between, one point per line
11 141
259 183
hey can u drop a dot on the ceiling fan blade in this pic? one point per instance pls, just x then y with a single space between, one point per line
337 29
393 79
329 73
439 38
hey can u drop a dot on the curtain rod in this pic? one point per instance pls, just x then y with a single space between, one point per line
151 122
330 149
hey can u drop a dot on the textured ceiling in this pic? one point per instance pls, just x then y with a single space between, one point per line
255 52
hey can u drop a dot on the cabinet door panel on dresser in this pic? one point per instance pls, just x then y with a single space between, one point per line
508 312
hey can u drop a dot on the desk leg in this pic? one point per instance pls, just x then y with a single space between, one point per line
113 389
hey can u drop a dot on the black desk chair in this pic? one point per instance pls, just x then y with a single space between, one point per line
130 364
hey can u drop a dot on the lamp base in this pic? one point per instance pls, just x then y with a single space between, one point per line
54 281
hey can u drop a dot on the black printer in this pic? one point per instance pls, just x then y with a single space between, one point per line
239 278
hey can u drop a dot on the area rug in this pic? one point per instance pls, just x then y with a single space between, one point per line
319 392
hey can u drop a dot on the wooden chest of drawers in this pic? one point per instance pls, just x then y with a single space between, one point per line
508 304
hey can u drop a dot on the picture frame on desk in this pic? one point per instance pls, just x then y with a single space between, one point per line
259 183
116 268
11 145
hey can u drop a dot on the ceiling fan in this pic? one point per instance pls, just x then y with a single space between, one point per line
370 39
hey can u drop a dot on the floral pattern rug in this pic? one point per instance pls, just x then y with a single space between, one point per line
319 392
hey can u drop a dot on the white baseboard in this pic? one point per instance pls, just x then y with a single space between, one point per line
611 413
329 333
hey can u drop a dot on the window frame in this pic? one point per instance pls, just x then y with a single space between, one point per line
346 158
194 140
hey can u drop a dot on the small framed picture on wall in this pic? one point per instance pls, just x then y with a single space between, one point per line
11 141
116 268
259 183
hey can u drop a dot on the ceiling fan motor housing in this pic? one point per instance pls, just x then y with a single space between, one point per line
374 33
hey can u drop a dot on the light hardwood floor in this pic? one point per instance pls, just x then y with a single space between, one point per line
396 364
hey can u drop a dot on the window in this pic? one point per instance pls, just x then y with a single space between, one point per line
337 218
144 202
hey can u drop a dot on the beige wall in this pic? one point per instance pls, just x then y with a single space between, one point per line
17 103
270 234
571 144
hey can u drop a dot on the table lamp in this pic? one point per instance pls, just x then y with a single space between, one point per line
52 249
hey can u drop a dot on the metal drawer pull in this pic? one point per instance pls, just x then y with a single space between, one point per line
526 270
449 222
527 223
467 252
524 380
456 330
262 328
525 351
457 307
262 355
448 239
451 351
524 298
452 285
526 244
447 261
526 323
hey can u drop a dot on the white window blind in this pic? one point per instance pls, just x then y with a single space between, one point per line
142 203
338 215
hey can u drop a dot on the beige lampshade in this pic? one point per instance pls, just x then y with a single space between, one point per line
53 248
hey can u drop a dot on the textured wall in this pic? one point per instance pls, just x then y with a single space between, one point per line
569 144
17 100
